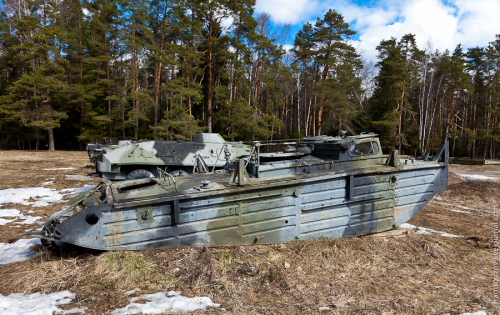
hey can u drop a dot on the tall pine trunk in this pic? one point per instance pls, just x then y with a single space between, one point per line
81 144
210 80
108 83
321 114
135 81
51 139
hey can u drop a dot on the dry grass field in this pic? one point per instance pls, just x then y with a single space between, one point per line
403 274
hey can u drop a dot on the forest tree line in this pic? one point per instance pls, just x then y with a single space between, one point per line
161 69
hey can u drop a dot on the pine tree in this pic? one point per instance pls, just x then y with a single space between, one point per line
136 35
33 98
341 64
477 65
457 86
213 41
493 81
235 112
394 82
161 22
102 36
303 50
182 89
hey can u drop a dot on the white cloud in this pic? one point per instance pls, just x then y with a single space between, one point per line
287 11
479 21
423 18
445 23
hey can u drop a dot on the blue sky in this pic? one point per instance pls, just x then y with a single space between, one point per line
436 23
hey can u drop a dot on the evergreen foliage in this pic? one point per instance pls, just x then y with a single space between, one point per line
168 69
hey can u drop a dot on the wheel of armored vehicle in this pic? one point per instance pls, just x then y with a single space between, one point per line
140 173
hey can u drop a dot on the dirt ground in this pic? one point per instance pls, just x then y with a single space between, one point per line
402 274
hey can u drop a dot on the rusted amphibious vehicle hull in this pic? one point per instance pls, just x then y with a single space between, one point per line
317 200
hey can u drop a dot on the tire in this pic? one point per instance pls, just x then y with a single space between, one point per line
140 173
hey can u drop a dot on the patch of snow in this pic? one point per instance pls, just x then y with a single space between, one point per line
477 177
9 213
17 215
162 302
48 182
37 303
132 291
475 313
28 219
44 195
60 169
426 231
461 211
5 221
325 308
18 251
459 206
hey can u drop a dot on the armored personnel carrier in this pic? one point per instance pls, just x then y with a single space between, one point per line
140 159
320 187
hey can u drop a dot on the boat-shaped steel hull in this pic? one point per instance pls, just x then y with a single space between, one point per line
329 202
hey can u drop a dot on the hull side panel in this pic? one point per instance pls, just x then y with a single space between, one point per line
334 207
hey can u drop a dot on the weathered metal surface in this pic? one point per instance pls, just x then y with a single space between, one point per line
355 193
97 146
207 150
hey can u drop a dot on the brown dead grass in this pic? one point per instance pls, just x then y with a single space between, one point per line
21 169
413 274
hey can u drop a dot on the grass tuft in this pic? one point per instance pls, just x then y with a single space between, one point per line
124 268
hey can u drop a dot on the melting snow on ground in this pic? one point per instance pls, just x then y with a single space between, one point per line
37 303
459 206
18 251
132 291
426 231
44 195
477 177
16 215
461 211
163 302
60 169
8 213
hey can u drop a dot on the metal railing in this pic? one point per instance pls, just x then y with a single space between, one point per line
163 175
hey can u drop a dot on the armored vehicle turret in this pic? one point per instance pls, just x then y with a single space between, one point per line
96 146
140 159
322 187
